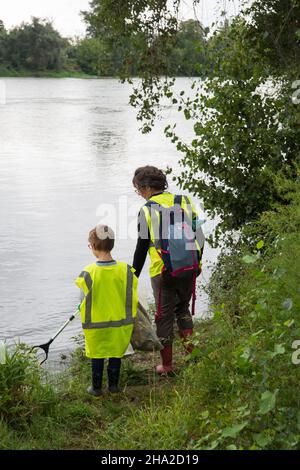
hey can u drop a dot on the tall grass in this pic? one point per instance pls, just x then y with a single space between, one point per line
22 393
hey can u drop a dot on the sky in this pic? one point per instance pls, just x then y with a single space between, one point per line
65 14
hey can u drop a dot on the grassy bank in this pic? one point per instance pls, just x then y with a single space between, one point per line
6 73
239 391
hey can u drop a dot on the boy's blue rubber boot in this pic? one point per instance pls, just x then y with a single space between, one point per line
97 374
113 374
94 391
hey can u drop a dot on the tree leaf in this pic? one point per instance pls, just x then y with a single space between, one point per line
187 114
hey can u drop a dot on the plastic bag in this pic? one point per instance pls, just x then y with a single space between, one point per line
144 337
129 351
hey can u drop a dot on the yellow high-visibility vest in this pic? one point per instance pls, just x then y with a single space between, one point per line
108 309
165 200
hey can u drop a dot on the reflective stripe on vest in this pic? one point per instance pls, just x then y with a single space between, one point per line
88 304
155 221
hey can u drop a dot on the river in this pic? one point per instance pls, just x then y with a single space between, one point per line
68 151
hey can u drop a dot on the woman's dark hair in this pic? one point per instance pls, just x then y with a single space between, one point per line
150 176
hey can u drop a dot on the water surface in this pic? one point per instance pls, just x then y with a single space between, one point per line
67 148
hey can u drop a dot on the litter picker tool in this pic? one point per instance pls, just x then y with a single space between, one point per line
45 347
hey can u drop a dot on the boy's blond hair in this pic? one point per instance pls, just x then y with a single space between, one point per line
102 238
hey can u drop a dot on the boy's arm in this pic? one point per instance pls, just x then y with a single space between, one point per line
81 296
83 282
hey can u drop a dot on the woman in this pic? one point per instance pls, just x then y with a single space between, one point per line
172 293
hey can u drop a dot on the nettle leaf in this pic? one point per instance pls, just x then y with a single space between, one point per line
234 430
267 402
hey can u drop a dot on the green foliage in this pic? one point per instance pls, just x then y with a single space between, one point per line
22 393
145 39
170 48
274 33
187 54
137 23
3 34
265 312
245 123
35 46
87 54
267 402
246 128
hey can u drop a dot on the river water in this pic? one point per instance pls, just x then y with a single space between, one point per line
68 151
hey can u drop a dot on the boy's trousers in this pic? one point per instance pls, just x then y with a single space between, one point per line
113 372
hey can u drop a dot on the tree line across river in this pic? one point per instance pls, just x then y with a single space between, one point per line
37 47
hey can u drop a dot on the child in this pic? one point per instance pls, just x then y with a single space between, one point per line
108 309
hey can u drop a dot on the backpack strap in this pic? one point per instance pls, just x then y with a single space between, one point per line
156 224
157 230
151 203
178 200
